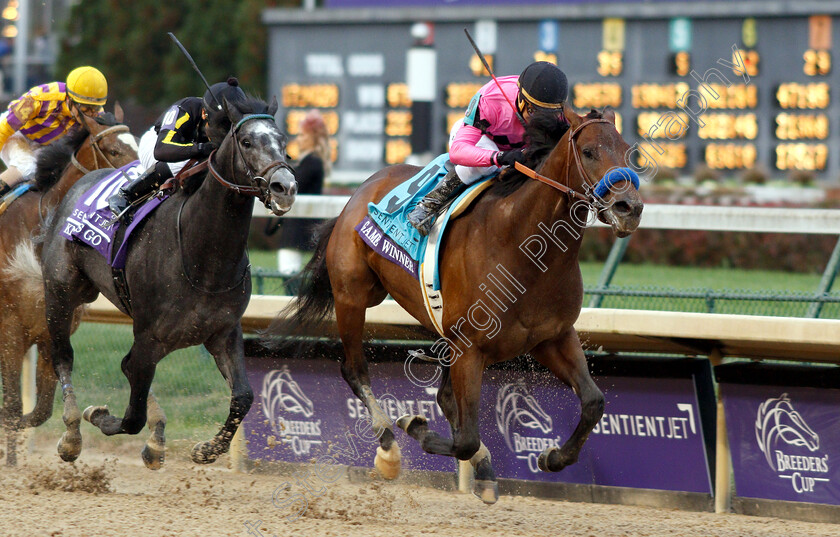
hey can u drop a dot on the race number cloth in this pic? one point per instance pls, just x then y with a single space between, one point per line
386 229
88 223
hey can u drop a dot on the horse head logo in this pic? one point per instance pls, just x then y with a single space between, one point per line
516 405
280 393
777 419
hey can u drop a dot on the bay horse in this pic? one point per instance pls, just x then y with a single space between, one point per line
526 229
103 142
187 274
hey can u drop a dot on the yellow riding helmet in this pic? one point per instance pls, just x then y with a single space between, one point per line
87 85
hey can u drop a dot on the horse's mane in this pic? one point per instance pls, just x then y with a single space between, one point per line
218 125
54 158
542 133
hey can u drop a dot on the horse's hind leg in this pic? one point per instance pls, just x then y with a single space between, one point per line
228 351
59 320
138 366
45 383
11 359
350 318
564 357
155 449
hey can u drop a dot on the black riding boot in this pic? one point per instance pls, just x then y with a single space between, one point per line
4 189
424 213
139 188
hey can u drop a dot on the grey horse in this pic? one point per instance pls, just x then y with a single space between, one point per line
187 274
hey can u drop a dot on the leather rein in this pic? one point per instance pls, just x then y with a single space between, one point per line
573 150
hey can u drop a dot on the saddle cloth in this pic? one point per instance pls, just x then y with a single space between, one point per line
387 231
88 223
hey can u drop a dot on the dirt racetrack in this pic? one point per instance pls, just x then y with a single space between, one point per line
108 492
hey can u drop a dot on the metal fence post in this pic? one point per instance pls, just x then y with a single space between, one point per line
723 467
610 266
826 282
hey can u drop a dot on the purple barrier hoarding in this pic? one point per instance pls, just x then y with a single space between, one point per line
785 442
650 435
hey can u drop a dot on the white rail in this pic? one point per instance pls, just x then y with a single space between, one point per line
655 216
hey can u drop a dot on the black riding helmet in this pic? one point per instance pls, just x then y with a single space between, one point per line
544 85
229 90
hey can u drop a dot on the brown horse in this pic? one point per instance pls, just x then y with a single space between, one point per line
100 144
523 233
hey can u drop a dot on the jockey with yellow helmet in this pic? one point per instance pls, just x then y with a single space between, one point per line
492 133
43 115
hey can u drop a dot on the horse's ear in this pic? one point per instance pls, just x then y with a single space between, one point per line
231 111
272 108
609 114
573 119
118 112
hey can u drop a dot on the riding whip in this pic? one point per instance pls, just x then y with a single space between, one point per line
194 66
490 71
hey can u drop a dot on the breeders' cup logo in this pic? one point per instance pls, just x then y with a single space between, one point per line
516 408
778 426
281 396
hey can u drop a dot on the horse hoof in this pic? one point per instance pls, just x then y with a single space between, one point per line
152 457
204 453
407 421
545 464
487 491
92 414
69 446
388 462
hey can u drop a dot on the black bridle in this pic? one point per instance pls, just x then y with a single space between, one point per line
258 183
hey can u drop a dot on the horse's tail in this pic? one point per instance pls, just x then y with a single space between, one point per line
24 267
314 300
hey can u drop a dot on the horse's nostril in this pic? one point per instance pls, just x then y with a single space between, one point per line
281 188
622 208
293 190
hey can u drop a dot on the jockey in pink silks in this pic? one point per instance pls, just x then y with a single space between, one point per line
492 132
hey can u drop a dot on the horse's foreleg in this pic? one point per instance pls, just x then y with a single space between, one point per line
228 351
45 383
155 449
138 366
11 359
350 318
564 357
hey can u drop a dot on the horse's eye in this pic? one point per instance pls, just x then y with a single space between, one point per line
588 153
115 153
246 144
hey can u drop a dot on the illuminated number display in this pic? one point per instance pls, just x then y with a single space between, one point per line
658 95
817 62
794 95
610 63
736 96
801 156
549 57
668 125
294 117
797 127
728 126
310 95
397 95
673 154
396 151
398 123
597 95
477 67
730 156
459 94
748 59
681 63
